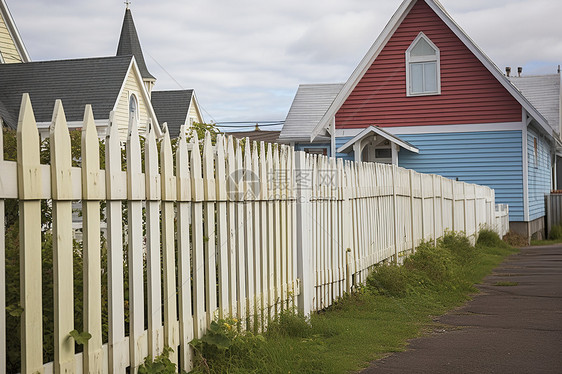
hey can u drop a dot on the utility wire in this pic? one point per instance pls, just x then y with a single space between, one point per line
179 85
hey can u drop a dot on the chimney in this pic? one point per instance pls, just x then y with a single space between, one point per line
519 71
508 70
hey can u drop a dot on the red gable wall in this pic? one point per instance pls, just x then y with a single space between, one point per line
469 92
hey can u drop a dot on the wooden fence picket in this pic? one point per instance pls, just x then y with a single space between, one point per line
210 192
240 234
29 194
92 194
197 235
222 230
257 234
61 190
186 328
231 208
169 196
153 254
248 251
135 196
115 188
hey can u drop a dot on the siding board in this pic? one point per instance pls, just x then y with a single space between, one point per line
469 92
8 48
491 158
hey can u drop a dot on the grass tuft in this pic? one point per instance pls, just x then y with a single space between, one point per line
395 305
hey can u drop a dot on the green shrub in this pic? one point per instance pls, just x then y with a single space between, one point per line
435 262
555 232
390 280
489 238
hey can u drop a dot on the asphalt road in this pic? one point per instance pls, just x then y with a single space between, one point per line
504 329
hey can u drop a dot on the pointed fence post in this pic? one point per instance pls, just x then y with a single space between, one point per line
153 255
29 194
184 257
247 199
269 196
240 234
115 190
168 244
61 187
254 183
304 250
135 196
232 227
210 193
197 196
92 193
222 229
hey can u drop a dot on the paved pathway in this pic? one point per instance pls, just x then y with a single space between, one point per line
504 329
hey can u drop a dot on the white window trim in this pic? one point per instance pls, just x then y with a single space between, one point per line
410 60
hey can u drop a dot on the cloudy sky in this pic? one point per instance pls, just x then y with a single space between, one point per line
246 58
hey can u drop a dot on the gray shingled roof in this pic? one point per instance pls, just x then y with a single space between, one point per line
95 81
172 107
129 44
309 106
266 136
543 92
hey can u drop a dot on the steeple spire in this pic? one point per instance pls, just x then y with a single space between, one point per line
129 44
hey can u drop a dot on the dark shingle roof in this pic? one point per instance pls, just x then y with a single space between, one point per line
95 81
257 136
171 107
129 44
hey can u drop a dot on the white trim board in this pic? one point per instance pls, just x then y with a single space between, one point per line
387 33
435 129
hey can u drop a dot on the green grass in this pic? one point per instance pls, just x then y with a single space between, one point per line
546 242
397 304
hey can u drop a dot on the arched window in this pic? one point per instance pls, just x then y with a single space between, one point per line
133 107
422 67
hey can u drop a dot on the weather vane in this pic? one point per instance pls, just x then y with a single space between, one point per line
127 3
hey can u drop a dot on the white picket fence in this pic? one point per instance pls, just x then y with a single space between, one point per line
239 230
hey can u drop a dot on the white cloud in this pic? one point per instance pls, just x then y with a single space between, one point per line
246 58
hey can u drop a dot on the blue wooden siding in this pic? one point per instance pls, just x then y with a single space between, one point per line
491 158
345 156
539 173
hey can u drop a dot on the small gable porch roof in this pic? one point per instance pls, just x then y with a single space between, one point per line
374 130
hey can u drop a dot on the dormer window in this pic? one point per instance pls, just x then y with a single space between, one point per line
422 67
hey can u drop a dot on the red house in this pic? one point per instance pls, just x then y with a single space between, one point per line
427 98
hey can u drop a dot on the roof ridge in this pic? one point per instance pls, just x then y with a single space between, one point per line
128 57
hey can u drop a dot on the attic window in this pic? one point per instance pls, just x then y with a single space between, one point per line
422 67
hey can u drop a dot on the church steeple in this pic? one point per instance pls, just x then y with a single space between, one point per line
129 45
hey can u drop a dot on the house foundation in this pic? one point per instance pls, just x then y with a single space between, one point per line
531 230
